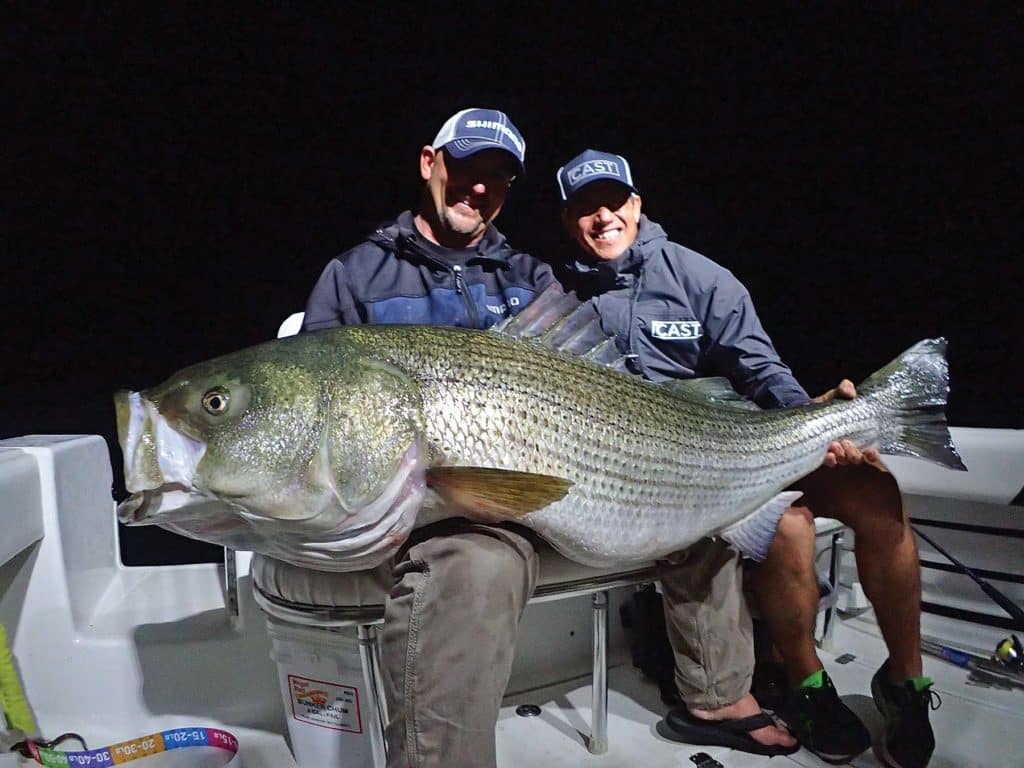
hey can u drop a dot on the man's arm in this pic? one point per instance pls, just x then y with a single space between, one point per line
744 351
543 276
331 303
741 349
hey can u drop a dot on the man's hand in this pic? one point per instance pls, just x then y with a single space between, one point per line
844 453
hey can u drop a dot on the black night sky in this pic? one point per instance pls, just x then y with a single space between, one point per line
177 178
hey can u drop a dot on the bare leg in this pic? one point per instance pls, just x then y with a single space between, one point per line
868 501
786 589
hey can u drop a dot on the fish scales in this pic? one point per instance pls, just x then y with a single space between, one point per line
488 403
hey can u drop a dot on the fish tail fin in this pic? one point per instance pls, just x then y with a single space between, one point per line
753 534
915 387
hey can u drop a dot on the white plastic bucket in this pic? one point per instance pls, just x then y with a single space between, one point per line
325 697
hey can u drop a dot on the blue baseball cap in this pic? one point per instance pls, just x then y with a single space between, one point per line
592 165
473 130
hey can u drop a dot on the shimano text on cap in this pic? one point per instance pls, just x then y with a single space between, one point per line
473 130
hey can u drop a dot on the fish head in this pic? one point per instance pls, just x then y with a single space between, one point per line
278 448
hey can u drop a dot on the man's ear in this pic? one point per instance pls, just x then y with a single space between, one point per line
638 203
428 156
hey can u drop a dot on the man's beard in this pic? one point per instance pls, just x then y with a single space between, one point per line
460 225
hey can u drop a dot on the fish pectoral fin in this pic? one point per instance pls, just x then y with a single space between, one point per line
493 495
753 535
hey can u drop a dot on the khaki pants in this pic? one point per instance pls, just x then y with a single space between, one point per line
452 618
450 627
709 624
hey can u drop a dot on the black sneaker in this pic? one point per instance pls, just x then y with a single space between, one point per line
908 741
823 724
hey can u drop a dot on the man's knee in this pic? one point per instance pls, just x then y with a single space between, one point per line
692 575
796 528
854 495
792 550
483 558
875 498
485 564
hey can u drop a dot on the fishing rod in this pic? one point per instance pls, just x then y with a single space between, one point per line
1007 664
998 597
983 669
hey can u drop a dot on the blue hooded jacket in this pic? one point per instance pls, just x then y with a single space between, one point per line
398 276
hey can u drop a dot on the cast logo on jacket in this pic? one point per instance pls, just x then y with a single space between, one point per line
676 330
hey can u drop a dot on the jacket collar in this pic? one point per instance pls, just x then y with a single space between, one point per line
402 237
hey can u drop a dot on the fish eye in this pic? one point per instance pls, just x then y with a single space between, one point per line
216 401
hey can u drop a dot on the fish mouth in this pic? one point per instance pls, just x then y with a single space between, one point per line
377 531
170 502
155 453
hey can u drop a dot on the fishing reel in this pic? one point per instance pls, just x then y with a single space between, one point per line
1010 653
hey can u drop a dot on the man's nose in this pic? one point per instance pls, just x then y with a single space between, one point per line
604 213
479 188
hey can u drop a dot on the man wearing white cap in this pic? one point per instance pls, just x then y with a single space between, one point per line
452 616
676 314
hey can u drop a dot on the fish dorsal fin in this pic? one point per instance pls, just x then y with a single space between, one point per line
491 495
713 390
537 317
560 321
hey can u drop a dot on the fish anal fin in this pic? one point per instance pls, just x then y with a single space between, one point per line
490 495
753 535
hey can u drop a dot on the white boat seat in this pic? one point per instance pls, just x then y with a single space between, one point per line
326 601
330 599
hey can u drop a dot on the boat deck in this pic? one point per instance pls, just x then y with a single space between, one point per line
113 652
976 725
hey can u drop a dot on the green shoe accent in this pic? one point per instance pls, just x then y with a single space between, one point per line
908 740
920 683
816 680
823 723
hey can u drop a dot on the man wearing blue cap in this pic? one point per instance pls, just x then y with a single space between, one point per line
676 314
447 264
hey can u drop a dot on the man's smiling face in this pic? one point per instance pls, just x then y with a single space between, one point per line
466 194
603 217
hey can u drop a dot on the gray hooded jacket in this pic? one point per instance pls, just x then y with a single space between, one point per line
679 315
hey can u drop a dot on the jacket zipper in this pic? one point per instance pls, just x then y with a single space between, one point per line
462 290
460 278
634 327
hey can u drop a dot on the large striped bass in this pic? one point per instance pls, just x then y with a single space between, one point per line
319 449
